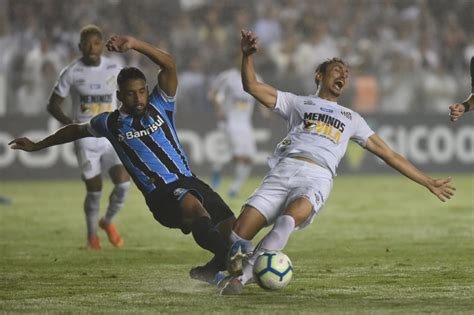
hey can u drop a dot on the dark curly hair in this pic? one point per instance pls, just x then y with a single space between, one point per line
129 73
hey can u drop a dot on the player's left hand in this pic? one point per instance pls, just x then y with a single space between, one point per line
441 188
119 43
24 144
456 111
248 42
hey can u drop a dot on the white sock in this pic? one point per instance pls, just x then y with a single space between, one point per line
116 201
91 209
242 172
275 240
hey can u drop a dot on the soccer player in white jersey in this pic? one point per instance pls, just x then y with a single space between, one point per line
234 109
91 82
304 163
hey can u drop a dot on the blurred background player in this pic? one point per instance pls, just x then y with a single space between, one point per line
142 132
304 163
234 109
458 109
91 82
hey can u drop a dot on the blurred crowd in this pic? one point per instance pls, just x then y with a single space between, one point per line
404 56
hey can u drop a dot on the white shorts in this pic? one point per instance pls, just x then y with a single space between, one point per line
241 140
289 180
94 155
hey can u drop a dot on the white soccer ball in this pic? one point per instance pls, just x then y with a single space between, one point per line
273 270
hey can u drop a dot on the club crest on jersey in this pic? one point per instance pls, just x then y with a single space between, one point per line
286 142
129 135
348 115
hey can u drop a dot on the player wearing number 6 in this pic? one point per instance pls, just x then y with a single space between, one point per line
91 82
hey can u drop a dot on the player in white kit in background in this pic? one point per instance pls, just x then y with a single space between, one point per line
91 82
234 108
305 162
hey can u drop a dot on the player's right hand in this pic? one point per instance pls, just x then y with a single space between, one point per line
119 43
248 42
456 111
24 144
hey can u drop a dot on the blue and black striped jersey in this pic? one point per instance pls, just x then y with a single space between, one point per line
148 146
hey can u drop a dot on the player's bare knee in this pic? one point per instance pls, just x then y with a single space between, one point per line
94 183
300 210
249 223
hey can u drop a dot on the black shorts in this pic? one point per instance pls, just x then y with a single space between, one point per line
164 202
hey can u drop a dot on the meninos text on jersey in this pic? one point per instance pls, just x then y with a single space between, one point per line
324 125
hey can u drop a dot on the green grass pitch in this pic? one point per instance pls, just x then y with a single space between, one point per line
382 244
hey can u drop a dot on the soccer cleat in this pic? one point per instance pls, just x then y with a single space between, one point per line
209 273
112 233
235 258
203 273
93 242
222 282
233 287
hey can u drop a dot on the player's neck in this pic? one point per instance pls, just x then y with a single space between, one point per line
91 63
327 95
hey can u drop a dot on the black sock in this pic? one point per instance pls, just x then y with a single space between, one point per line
208 237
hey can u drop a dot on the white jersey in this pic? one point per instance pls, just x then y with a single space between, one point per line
318 129
237 104
92 88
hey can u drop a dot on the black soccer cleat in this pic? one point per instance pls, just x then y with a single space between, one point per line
204 273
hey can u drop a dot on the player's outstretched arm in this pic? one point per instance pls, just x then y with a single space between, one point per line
458 109
439 187
264 93
167 78
63 135
55 109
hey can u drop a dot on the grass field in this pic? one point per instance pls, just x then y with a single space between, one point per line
381 245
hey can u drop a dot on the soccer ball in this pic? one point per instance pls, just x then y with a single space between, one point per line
272 270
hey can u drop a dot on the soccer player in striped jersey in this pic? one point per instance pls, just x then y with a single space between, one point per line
458 109
143 133
304 163
91 82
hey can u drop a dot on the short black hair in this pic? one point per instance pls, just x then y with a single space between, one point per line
324 66
129 73
88 30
